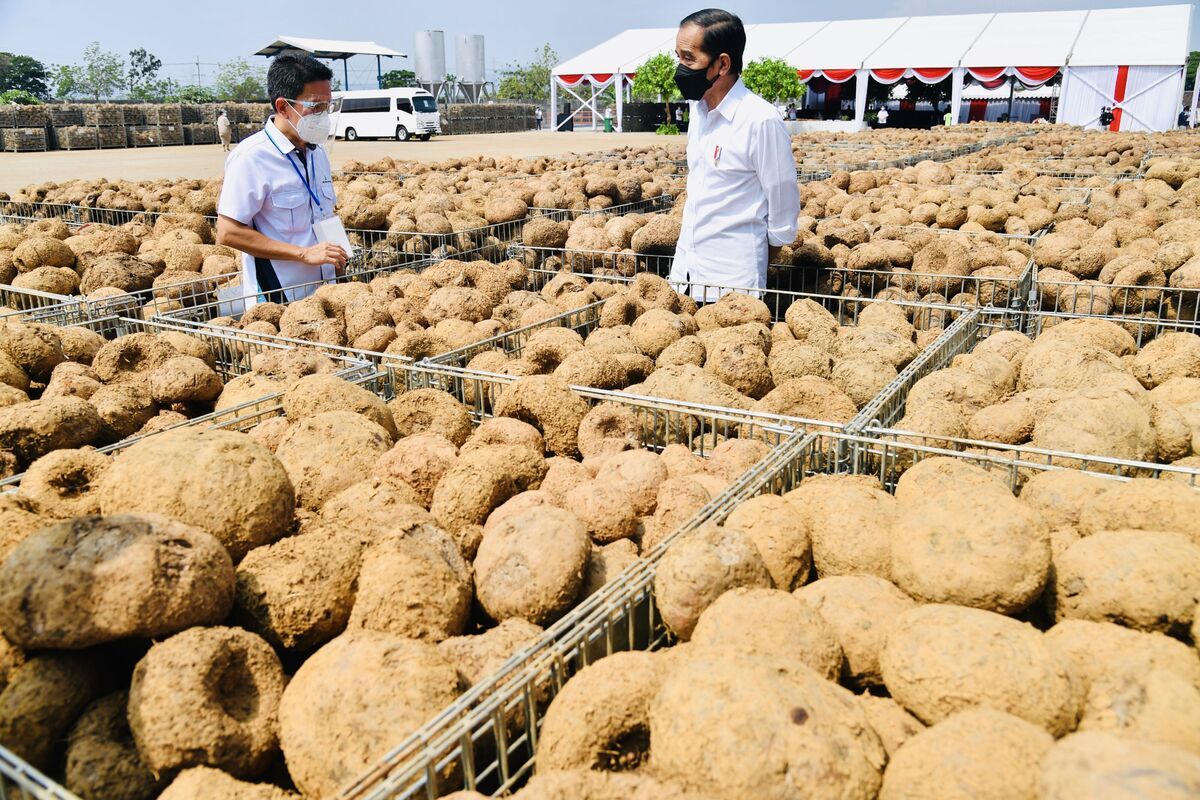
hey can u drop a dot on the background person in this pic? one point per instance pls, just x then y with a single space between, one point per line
742 195
224 130
882 116
278 184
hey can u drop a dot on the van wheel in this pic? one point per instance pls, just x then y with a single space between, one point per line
402 134
424 137
351 134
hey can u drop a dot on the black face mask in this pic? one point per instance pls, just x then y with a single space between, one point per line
693 83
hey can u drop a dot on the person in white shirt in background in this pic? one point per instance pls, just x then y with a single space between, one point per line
882 116
224 131
278 185
742 194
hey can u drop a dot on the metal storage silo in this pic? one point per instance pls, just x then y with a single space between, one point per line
471 72
429 60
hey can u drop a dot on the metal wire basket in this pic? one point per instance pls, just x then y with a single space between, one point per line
650 205
480 745
233 356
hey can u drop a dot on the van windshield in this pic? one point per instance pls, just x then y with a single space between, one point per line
424 104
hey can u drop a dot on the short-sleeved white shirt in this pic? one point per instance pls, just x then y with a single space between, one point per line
263 190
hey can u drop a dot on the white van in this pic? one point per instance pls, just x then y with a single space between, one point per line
387 113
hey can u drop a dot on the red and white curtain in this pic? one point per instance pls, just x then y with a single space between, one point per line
598 79
831 75
1143 98
992 77
928 75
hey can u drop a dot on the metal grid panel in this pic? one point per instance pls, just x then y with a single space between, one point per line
20 781
76 215
1145 311
233 355
651 205
389 247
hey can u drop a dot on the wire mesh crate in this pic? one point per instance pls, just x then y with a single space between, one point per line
650 205
379 248
1145 310
23 140
477 742
233 356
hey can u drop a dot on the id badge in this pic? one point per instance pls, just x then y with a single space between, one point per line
332 230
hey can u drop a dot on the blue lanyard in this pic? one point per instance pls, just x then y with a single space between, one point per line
299 175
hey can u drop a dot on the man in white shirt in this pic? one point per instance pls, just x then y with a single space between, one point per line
882 116
742 194
278 184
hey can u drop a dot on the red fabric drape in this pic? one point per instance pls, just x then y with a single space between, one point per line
1044 108
932 73
804 74
1119 97
887 75
908 105
994 84
570 80
1036 75
838 75
983 74
818 84
601 77
978 111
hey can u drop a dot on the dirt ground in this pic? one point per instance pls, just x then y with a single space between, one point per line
207 161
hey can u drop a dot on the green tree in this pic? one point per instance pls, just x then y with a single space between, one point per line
399 79
240 82
102 73
164 90
19 97
143 68
23 73
67 80
773 79
655 80
1192 62
194 94
528 81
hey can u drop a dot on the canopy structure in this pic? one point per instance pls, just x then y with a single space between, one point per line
1131 59
333 49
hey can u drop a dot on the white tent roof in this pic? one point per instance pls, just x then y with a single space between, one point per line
1026 39
932 41
328 48
1133 36
1150 35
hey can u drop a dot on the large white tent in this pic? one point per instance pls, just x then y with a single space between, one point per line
1129 58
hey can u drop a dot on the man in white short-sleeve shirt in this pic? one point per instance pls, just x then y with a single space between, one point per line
278 184
742 194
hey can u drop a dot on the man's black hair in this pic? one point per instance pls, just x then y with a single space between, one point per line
723 33
290 72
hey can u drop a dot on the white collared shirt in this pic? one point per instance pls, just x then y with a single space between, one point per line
741 193
263 190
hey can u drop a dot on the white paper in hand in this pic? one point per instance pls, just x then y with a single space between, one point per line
332 230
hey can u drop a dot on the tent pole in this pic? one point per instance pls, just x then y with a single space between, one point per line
553 103
620 87
345 75
1012 86
957 76
861 81
379 71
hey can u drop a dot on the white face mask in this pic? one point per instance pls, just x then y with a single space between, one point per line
314 128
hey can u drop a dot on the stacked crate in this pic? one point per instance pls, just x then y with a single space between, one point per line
109 124
199 133
76 137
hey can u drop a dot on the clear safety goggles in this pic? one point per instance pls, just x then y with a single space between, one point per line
317 106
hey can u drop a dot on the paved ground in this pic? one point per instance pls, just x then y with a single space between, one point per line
205 161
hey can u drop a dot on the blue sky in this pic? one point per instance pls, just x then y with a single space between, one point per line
219 30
